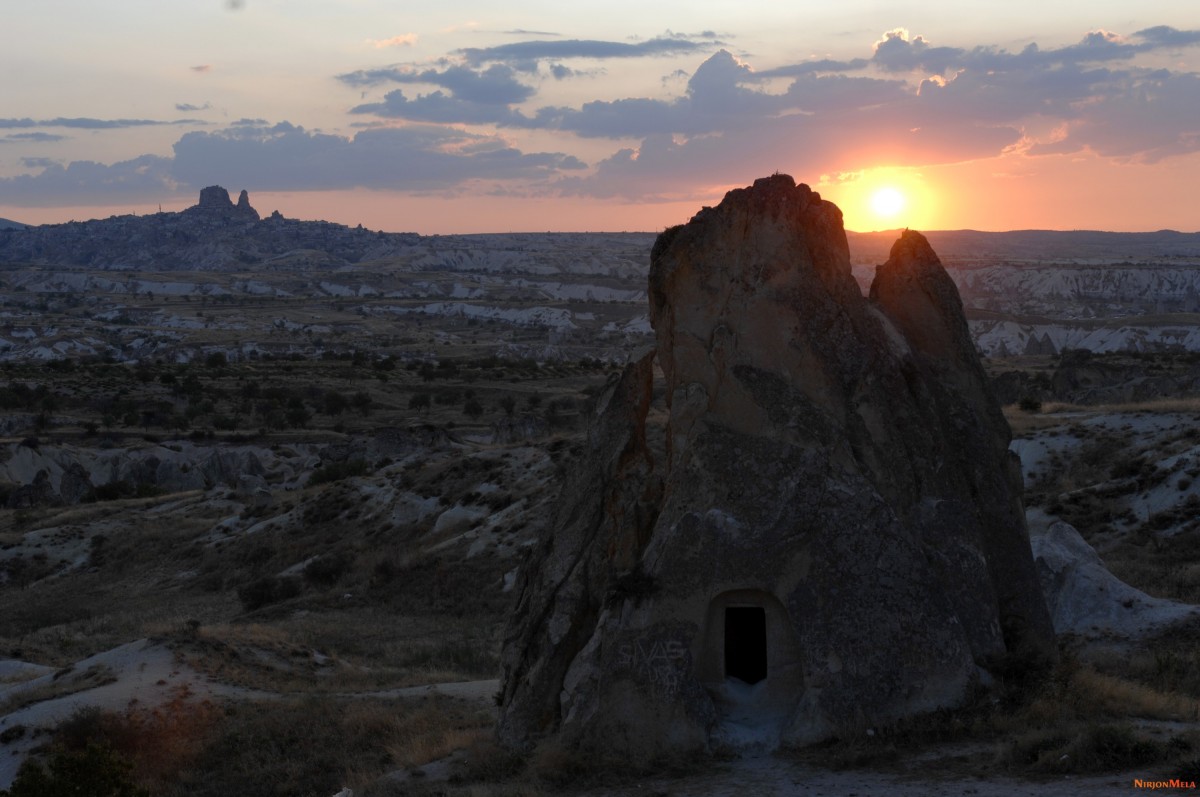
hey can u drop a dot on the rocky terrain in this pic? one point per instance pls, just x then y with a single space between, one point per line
134 287
270 497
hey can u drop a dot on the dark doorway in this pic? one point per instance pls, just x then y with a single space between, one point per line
746 643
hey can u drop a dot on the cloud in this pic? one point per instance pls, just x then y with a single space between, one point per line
823 65
412 158
496 85
286 157
897 52
717 99
38 137
403 40
940 105
560 72
187 107
482 96
86 123
1165 36
581 48
908 101
84 182
521 32
201 68
438 107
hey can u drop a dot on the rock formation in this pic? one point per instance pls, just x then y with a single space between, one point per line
830 533
215 204
1088 601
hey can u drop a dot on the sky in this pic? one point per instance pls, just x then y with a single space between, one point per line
466 116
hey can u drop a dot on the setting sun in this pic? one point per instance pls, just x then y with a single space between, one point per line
884 198
886 203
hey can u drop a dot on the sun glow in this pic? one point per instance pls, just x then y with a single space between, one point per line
887 203
883 199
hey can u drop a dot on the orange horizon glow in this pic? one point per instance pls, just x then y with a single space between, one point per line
1012 192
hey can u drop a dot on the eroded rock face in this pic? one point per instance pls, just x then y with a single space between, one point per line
215 204
1088 601
832 534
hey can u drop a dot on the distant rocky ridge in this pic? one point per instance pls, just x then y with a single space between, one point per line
1025 292
1029 246
213 235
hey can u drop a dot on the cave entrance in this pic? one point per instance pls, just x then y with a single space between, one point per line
746 643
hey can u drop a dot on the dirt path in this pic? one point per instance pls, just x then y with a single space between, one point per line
771 776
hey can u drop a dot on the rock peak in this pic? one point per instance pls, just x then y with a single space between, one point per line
215 204
830 511
912 245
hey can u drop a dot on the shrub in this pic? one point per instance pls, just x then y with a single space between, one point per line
1093 748
327 569
1030 404
267 590
95 771
336 471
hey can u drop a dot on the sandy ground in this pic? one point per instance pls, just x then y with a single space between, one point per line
138 673
771 776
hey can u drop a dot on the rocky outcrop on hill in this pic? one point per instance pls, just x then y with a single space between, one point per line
215 205
213 235
831 534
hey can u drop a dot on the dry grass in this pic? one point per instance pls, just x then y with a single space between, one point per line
1086 694
64 682
1160 406
302 656
430 733
301 748
315 746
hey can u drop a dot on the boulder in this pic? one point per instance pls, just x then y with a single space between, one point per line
1084 598
830 534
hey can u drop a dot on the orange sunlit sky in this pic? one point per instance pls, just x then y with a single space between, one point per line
526 116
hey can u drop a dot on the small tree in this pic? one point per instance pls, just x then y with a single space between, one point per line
420 401
335 403
297 414
473 409
363 402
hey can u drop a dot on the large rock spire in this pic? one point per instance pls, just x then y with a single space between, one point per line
830 532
